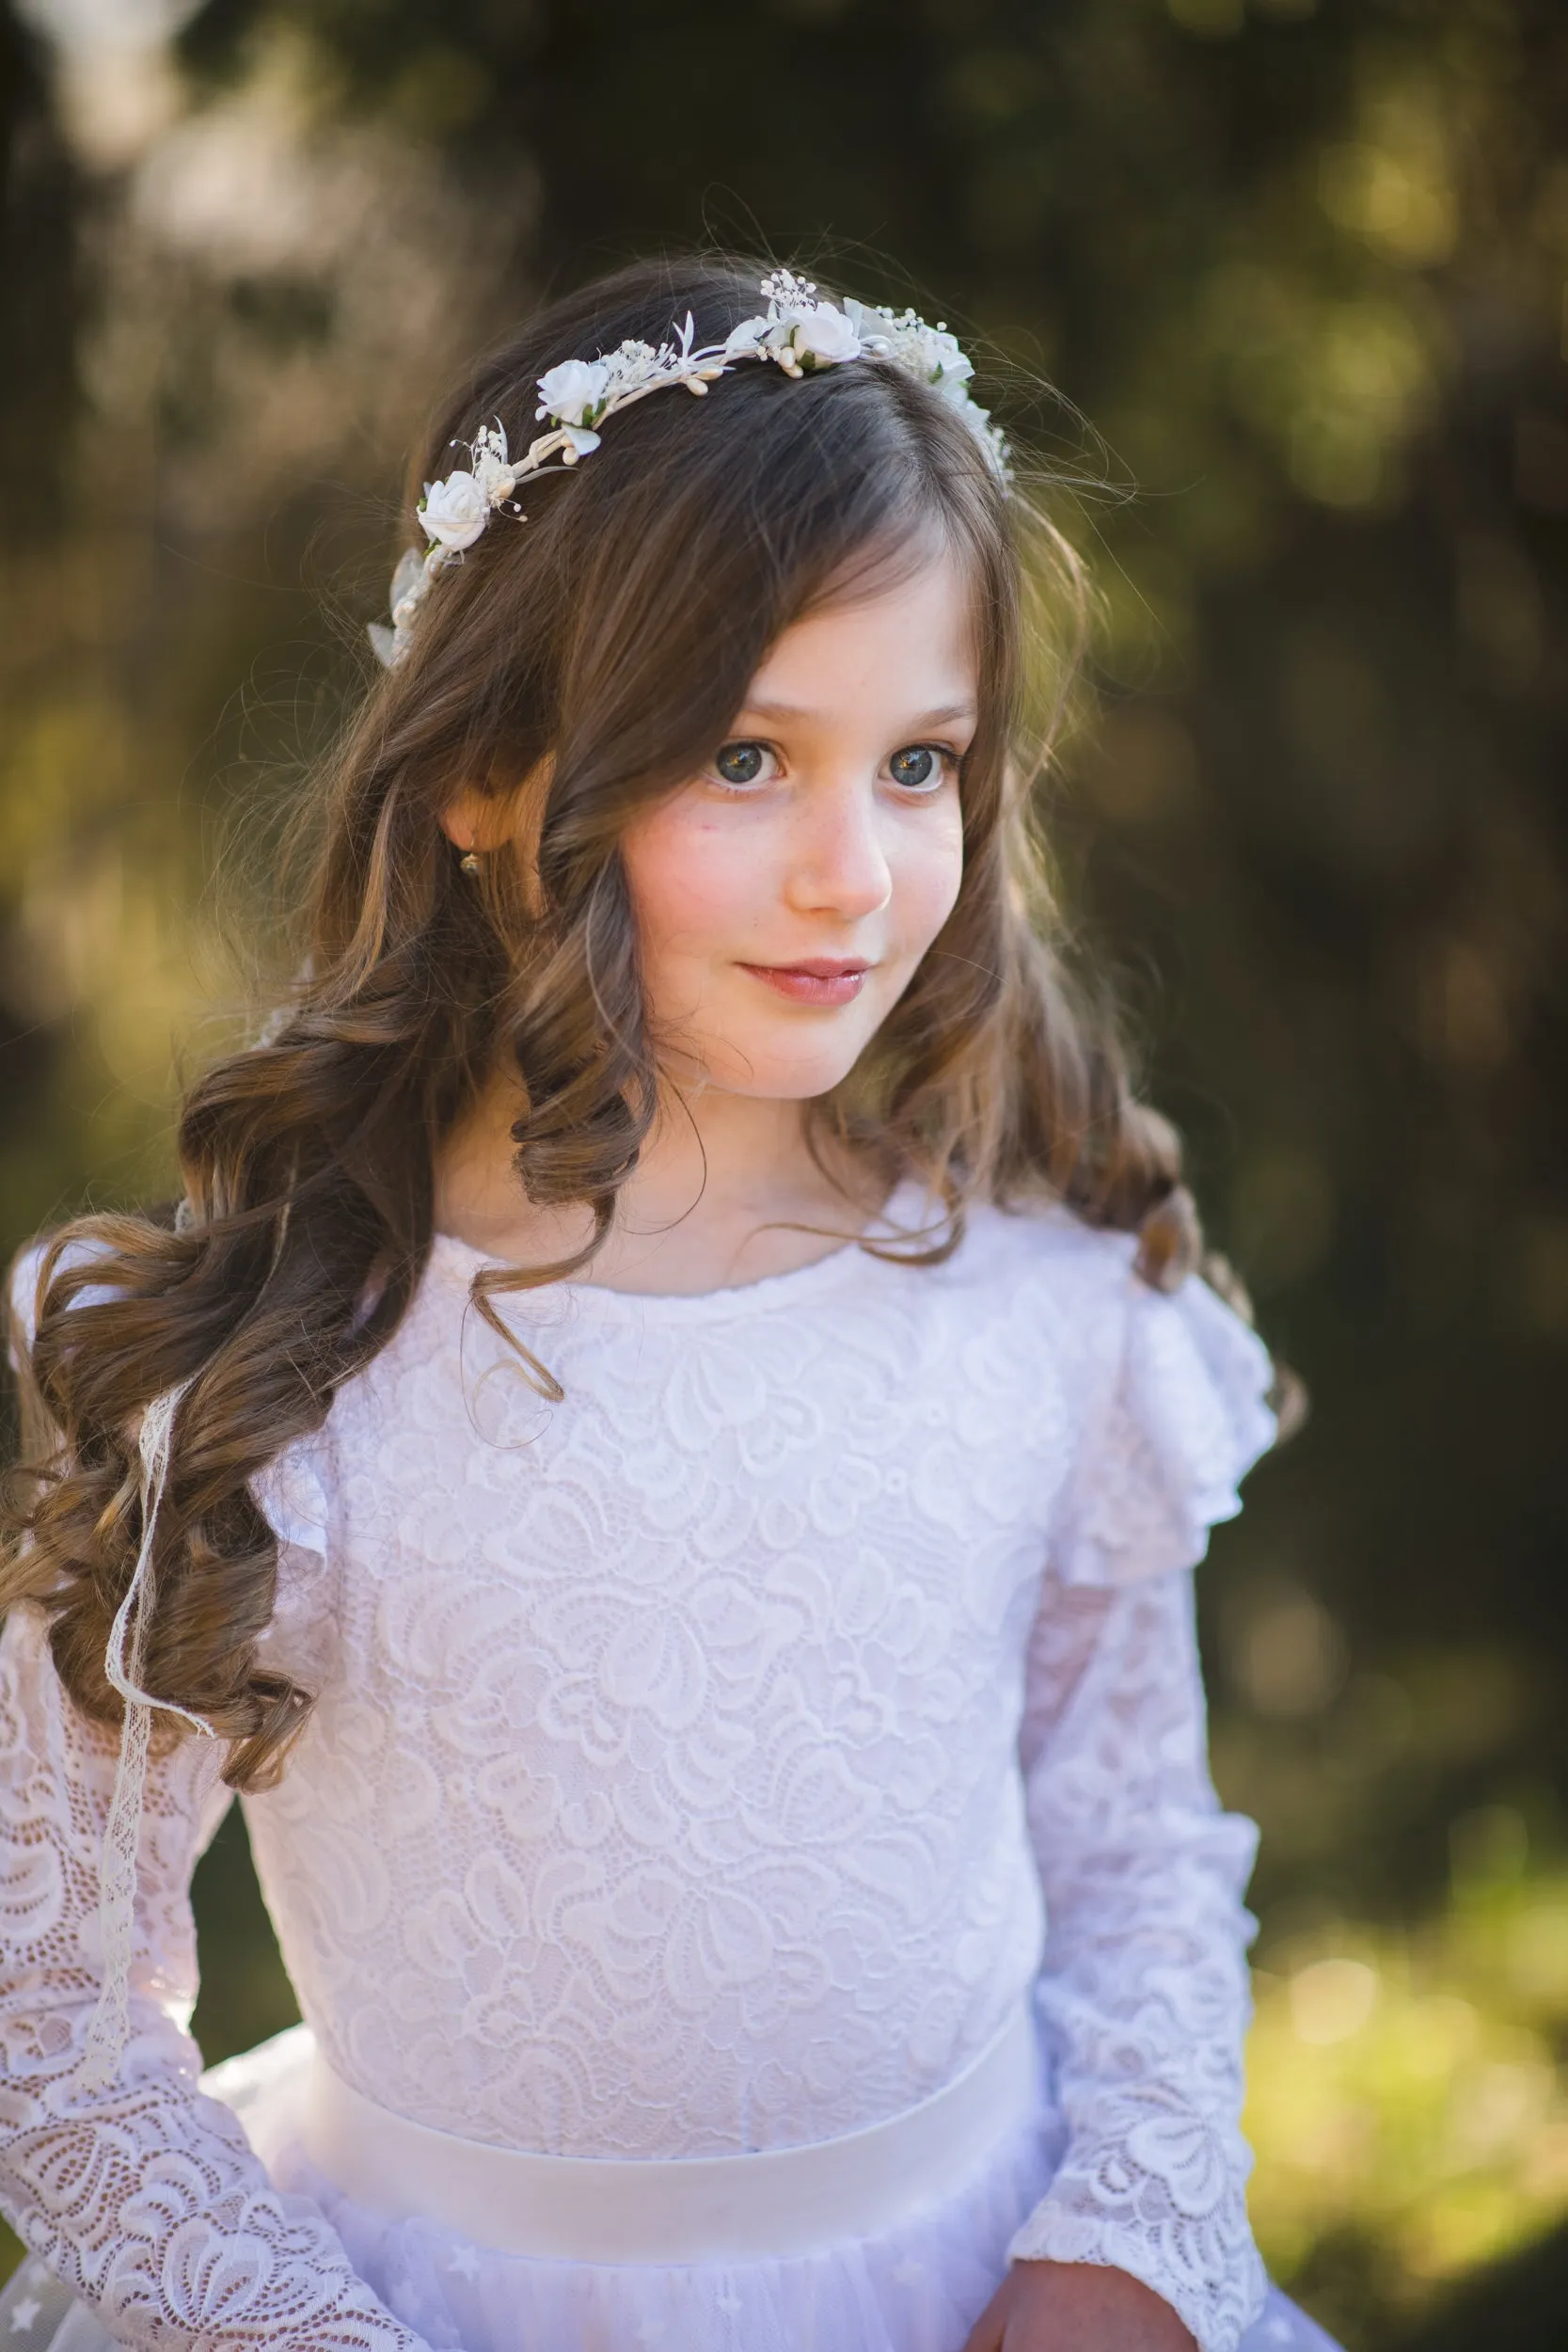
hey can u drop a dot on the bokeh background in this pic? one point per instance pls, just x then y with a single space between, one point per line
1304 265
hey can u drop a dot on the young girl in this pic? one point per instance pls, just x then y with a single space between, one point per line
661 1453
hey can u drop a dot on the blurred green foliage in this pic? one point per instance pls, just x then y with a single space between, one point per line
1304 264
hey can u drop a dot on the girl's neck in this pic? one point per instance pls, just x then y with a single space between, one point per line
726 1192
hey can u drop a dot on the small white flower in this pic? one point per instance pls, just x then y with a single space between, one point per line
824 336
630 365
745 341
928 352
580 439
948 368
494 475
409 579
785 292
455 511
572 390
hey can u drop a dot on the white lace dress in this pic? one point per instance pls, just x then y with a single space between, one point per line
705 1764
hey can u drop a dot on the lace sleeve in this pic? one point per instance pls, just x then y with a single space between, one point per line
144 2198
1145 1992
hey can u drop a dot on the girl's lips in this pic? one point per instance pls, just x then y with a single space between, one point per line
816 980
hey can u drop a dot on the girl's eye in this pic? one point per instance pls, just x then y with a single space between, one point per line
744 763
919 767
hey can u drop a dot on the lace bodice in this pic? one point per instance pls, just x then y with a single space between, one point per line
708 1762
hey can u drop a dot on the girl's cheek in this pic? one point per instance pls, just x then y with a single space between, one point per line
928 877
697 878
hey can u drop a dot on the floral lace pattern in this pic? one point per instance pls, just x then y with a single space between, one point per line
144 2197
1144 1992
663 1795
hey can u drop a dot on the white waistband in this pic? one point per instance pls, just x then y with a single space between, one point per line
688 2209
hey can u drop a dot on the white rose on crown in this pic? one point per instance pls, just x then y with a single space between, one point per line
947 366
455 511
572 390
824 336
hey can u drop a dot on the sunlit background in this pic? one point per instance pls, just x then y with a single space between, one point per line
1304 268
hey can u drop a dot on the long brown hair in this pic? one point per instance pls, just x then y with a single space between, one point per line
576 664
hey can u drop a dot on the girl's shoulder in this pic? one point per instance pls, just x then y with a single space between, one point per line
1169 1392
1043 1239
1077 1282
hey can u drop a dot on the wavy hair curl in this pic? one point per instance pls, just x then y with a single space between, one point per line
577 666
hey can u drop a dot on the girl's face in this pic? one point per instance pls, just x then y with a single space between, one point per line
784 896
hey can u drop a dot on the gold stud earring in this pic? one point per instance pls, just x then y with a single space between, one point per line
469 862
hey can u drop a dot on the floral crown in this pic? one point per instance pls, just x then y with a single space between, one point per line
799 332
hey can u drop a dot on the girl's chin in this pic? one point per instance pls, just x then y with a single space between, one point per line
767 1073
763 1045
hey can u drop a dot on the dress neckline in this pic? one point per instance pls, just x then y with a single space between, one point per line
906 1212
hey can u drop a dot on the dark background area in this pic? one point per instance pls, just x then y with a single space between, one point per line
1305 270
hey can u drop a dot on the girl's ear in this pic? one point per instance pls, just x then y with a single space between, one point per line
476 820
505 816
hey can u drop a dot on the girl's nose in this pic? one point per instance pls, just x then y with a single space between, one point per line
839 864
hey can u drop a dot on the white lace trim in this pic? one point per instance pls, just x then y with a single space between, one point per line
109 2025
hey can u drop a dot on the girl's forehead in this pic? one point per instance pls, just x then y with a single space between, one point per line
915 614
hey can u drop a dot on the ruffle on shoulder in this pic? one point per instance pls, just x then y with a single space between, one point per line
23 1297
293 1494
290 1493
1182 1418
25 1284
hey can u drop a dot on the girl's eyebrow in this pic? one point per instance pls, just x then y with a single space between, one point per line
948 715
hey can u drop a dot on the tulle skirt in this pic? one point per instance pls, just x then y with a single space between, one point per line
917 2287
